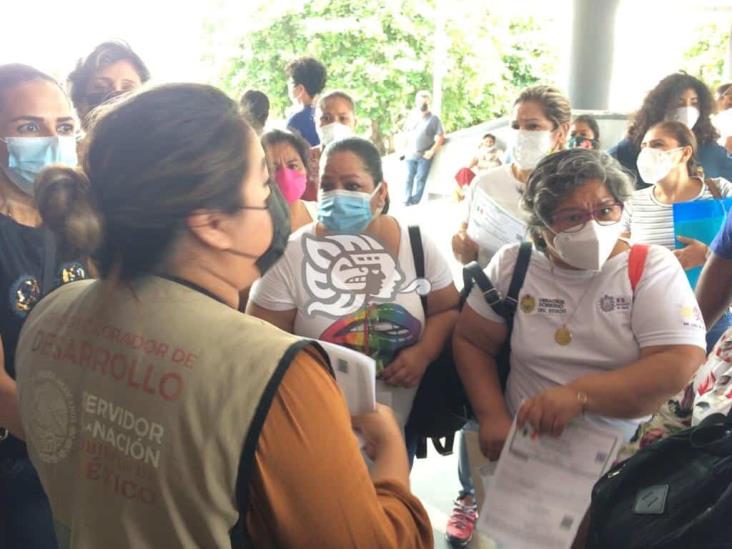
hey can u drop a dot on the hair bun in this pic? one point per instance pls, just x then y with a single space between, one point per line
66 208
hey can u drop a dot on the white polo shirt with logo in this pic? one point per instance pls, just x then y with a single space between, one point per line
609 324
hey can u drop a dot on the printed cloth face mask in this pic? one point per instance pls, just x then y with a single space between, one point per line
582 142
27 156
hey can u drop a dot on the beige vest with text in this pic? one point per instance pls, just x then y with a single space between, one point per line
137 404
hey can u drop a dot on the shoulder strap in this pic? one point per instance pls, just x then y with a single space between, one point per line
636 264
472 273
415 239
519 274
713 188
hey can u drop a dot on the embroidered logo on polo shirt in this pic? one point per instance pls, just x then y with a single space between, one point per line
24 294
71 272
607 303
26 291
528 304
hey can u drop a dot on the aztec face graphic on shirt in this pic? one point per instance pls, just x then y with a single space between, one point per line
354 280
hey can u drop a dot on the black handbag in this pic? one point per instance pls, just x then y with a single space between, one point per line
674 494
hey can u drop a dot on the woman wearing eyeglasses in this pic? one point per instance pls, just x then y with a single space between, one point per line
584 341
37 128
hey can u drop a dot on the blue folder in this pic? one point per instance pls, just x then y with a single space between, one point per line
701 220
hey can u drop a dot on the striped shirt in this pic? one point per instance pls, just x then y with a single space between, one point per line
652 222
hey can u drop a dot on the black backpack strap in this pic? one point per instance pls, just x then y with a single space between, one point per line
517 279
415 239
421 452
446 448
473 273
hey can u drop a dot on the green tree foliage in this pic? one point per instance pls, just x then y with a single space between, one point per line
705 58
382 52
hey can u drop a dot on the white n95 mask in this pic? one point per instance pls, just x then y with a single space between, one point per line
588 249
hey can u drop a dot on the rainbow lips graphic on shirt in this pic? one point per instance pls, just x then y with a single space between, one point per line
378 331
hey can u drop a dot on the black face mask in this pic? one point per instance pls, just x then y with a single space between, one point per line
424 108
281 228
93 100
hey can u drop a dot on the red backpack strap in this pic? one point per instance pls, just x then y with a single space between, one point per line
636 264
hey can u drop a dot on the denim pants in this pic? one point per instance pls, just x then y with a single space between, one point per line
467 488
417 171
26 521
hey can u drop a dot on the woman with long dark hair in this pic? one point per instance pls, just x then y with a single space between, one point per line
678 97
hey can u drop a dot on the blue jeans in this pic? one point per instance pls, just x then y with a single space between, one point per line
417 171
466 481
716 331
25 515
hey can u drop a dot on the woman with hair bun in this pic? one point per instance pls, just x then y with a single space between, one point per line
37 128
177 420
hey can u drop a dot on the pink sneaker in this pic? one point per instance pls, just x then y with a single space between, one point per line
461 524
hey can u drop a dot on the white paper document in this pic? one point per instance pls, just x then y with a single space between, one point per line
491 226
542 485
356 376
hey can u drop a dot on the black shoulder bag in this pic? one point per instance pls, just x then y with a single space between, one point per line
441 406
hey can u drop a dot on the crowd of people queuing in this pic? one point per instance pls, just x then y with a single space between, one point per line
169 260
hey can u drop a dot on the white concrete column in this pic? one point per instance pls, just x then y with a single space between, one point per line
593 34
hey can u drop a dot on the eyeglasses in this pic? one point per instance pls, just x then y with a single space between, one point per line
574 220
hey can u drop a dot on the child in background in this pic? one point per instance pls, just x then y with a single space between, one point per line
488 156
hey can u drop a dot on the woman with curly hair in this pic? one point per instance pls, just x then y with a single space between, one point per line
682 98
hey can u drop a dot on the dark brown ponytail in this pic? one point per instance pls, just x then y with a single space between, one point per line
66 207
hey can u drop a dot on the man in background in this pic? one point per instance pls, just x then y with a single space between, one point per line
306 78
424 136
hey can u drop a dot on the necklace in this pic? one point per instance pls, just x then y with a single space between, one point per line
563 335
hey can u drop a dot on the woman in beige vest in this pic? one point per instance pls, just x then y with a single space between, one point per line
159 416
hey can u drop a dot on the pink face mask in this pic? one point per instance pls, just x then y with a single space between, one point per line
291 182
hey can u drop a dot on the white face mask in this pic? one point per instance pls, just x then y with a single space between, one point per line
655 164
530 147
688 116
335 131
589 248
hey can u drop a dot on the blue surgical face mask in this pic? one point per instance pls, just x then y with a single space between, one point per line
27 156
346 211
